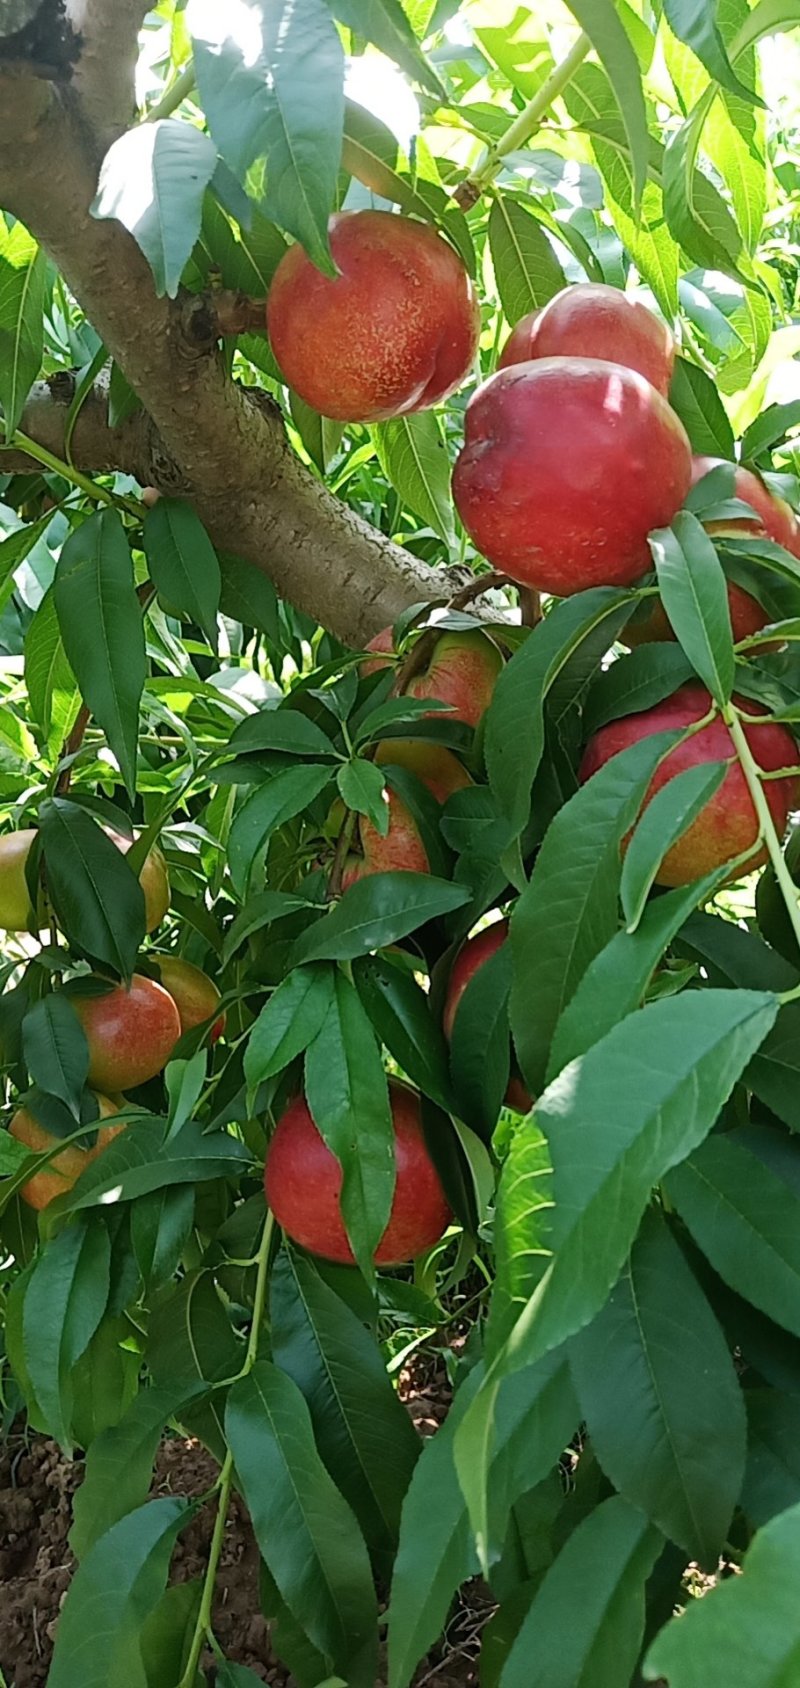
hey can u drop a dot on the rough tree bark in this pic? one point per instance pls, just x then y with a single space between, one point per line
201 434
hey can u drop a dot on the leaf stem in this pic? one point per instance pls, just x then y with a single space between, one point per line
523 127
57 466
752 774
202 1630
173 97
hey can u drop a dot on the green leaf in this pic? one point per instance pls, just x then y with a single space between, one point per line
101 626
348 1096
774 1073
695 24
697 215
661 1397
615 982
746 1630
601 22
65 1300
288 1023
590 101
378 910
743 1216
536 1416
119 1467
663 822
161 1223
523 1221
568 911
480 1043
260 911
94 890
362 786
643 678
385 25
55 1048
275 91
526 269
23 268
285 730
122 1578
564 1643
320 436
152 181
190 1345
305 1530
184 1081
514 720
400 1013
140 1160
644 1097
412 453
695 596
248 596
282 796
52 691
696 400
772 1478
183 564
355 1414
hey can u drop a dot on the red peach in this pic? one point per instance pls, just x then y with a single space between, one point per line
303 1180
727 826
131 1032
462 672
395 331
591 320
569 464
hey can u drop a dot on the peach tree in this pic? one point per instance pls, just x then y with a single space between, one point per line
486 940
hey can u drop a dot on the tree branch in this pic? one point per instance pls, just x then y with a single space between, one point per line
202 434
104 78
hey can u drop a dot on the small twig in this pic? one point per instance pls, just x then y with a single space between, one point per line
341 853
71 745
420 654
523 128
530 604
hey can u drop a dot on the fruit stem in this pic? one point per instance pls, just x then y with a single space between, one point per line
57 466
202 1628
752 774
524 126
340 854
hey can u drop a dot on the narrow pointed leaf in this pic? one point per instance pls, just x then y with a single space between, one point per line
183 564
288 1023
95 893
695 597
101 626
595 1642
23 268
665 820
305 1530
152 181
378 910
661 1397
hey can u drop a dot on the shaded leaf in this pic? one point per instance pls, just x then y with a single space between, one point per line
183 563
305 1530
377 910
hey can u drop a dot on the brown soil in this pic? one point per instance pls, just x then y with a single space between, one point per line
36 1486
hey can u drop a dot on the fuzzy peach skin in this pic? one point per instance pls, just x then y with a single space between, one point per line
62 1171
591 320
568 465
395 331
131 1033
402 849
462 672
303 1180
727 825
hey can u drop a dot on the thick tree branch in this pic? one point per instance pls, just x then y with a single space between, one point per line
105 74
203 433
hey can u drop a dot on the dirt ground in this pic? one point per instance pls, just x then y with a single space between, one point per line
36 1486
